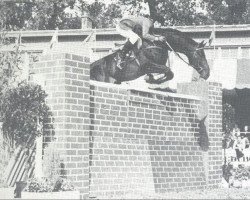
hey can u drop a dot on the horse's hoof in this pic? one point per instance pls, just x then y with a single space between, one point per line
148 78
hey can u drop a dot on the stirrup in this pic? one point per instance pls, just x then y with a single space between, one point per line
119 66
119 62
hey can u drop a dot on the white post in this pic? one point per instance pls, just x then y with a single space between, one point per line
40 80
26 66
39 152
239 53
219 53
38 157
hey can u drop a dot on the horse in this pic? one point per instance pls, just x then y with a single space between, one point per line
151 58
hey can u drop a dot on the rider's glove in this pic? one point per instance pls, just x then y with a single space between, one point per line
160 38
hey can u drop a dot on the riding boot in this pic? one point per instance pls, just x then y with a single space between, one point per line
126 48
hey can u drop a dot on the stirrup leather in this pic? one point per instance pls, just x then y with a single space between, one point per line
120 61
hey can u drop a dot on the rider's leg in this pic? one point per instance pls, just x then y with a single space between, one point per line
126 48
127 32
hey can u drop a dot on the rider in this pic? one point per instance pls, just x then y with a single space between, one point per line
127 25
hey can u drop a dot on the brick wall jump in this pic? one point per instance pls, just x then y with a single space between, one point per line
165 128
116 140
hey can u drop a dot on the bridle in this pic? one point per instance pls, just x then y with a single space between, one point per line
198 69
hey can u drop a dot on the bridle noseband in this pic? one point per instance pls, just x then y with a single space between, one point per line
198 69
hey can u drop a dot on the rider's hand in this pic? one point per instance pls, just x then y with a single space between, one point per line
162 38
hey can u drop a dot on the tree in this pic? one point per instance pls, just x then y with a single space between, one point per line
9 63
23 110
14 16
48 15
168 12
184 12
51 14
227 11
103 15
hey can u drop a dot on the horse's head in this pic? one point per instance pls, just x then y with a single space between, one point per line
199 62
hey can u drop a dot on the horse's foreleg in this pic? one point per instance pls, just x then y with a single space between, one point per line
149 78
169 75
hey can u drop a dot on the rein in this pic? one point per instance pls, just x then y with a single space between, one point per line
199 69
155 64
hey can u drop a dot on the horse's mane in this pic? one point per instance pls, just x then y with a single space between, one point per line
171 31
99 61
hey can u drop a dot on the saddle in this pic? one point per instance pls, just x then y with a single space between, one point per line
133 55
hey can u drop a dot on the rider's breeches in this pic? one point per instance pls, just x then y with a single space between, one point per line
128 33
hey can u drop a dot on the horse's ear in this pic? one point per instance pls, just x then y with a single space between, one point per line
202 44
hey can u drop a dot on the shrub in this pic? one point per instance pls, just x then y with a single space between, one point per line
23 110
242 173
228 118
48 185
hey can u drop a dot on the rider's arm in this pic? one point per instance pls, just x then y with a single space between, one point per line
147 24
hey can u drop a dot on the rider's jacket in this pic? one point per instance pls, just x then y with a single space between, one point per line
129 22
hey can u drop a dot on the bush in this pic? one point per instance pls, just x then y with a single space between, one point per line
228 118
242 173
48 185
24 114
236 176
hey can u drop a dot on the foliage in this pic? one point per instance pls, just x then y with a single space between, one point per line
48 15
227 11
33 14
48 185
228 118
168 12
241 173
66 14
14 15
190 12
235 175
23 110
9 63
103 15
51 14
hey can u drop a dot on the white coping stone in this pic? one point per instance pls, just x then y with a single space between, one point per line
129 87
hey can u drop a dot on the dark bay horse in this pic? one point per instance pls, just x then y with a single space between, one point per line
152 58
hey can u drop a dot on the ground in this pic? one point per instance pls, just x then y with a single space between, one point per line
228 193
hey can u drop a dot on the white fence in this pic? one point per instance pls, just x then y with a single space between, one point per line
230 155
